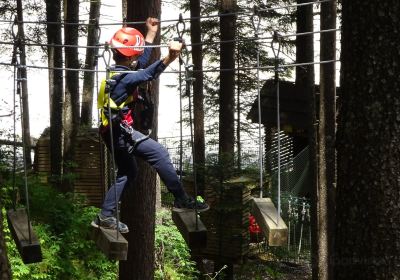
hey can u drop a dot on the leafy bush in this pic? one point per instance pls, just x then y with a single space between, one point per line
172 254
61 222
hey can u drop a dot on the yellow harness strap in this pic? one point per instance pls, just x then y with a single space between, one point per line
102 101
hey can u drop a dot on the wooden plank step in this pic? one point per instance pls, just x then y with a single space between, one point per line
29 248
195 237
273 227
111 246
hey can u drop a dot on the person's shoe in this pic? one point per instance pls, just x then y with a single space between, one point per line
109 223
189 204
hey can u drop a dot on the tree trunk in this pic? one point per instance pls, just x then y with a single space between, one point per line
71 104
24 86
227 100
367 241
90 63
198 96
327 158
55 59
305 83
138 202
227 85
5 271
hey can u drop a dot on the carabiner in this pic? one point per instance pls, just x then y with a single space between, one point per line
256 20
177 26
277 38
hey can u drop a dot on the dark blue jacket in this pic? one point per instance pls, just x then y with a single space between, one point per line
126 83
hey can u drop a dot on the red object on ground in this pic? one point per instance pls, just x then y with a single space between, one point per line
253 226
255 230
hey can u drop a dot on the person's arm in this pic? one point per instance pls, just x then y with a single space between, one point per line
174 50
152 72
152 28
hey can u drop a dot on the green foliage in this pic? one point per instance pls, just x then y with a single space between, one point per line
172 254
61 222
258 271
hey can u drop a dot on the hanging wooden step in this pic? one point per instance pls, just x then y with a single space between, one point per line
113 246
273 227
29 248
195 236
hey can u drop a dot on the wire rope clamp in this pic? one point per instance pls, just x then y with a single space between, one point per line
27 242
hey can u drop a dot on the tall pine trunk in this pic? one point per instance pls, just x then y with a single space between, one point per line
227 100
198 96
71 104
24 86
138 202
367 241
305 83
90 64
327 129
56 85
227 85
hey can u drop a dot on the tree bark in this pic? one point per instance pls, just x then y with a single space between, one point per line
71 104
138 201
327 130
56 84
90 64
24 88
305 83
367 241
198 96
227 85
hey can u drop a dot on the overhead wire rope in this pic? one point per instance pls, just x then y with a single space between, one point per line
277 39
107 61
214 70
189 80
180 33
188 45
18 91
256 21
245 13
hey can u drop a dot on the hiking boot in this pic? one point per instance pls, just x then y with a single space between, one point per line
109 223
189 204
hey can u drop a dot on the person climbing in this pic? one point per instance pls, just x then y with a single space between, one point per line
129 54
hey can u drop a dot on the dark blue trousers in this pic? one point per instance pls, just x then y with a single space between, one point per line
149 150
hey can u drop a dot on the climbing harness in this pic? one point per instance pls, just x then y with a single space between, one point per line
112 113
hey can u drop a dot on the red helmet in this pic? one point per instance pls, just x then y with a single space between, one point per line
128 37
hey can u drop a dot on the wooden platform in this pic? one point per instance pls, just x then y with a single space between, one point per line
273 227
111 246
195 237
29 248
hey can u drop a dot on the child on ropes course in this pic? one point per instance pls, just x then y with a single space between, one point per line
129 54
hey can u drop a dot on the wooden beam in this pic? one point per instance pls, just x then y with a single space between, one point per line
111 246
273 227
22 232
195 237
